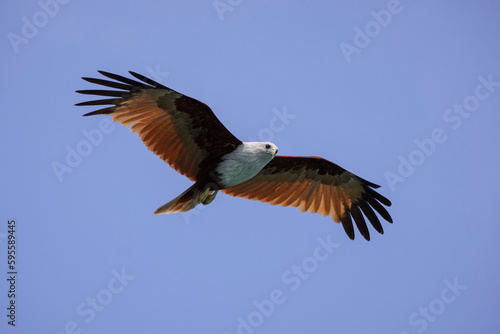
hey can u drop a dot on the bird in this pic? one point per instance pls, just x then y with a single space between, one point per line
187 135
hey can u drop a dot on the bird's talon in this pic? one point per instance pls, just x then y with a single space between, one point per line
210 197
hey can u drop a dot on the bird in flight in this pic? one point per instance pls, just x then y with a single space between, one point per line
187 135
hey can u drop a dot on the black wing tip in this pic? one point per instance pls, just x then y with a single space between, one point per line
106 73
372 217
88 79
384 200
368 187
360 221
368 183
125 83
122 89
364 208
135 74
147 80
99 112
347 225
90 114
349 233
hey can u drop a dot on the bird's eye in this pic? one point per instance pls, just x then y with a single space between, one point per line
268 146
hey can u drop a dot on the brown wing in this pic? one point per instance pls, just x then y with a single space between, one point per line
182 131
318 186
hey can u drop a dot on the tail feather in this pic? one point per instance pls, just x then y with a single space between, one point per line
182 203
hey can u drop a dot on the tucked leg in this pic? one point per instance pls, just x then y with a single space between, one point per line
210 197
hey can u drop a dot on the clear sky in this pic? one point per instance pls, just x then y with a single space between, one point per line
404 94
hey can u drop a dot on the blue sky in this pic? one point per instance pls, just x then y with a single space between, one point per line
404 94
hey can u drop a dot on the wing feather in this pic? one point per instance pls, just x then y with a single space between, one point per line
298 184
319 186
328 201
180 130
360 221
282 193
324 204
298 200
372 217
347 225
309 197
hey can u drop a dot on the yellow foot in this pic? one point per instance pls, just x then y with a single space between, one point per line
203 195
210 197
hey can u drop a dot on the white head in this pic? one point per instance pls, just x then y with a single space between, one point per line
245 162
262 148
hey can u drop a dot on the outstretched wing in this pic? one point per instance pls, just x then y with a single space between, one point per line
181 130
319 186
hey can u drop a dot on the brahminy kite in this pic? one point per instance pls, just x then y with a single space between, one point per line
186 134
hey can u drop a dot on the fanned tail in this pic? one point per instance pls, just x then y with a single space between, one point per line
182 203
